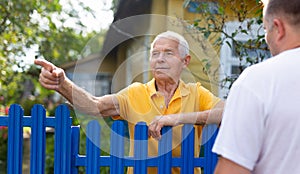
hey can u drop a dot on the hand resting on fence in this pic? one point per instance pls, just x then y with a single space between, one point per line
212 116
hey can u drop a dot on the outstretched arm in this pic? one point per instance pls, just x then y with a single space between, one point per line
54 78
213 116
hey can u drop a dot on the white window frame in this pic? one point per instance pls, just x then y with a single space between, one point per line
227 58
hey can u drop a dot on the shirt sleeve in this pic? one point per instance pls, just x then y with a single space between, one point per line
241 133
207 99
130 98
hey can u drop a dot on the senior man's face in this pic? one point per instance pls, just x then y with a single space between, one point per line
165 60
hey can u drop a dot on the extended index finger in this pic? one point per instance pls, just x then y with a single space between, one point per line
44 63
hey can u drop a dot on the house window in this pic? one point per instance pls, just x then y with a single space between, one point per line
203 6
236 55
236 70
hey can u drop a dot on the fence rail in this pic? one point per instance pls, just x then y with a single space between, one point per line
66 148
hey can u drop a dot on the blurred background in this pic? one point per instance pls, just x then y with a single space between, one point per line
99 44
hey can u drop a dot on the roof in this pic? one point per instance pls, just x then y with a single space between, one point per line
120 30
122 27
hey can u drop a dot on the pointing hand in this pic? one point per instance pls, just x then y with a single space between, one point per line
51 77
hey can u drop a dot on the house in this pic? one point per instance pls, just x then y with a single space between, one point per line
124 57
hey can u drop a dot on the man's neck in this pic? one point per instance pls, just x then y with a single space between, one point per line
166 86
292 40
167 89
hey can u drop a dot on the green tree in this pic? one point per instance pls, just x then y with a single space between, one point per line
212 23
42 24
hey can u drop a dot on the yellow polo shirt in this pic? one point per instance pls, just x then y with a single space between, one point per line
141 102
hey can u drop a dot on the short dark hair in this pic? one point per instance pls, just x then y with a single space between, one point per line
290 10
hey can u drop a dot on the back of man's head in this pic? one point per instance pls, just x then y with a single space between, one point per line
289 10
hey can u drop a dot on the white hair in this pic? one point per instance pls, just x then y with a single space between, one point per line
183 46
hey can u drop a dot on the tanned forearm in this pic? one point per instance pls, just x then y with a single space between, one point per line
213 116
79 98
54 78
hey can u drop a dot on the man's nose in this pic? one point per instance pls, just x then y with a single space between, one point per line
162 56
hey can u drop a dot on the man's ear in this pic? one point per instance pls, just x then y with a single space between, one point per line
279 27
187 60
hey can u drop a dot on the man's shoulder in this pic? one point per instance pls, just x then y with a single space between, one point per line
194 88
138 87
190 84
137 84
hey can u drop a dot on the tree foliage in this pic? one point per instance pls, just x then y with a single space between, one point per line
57 33
247 15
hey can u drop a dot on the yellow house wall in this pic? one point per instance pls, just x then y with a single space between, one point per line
170 15
174 10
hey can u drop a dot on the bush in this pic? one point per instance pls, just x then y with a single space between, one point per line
3 149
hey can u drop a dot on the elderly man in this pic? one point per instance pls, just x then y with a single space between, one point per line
260 131
166 97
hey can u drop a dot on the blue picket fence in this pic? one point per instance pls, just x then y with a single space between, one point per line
66 153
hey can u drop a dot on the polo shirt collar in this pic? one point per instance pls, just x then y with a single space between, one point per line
181 91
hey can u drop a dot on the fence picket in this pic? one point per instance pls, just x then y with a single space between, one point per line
15 140
38 140
210 132
165 151
93 147
187 149
117 148
62 150
140 148
75 133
